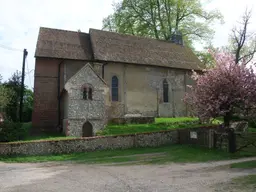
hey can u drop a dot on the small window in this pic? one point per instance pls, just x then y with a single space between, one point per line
90 94
114 88
85 93
165 91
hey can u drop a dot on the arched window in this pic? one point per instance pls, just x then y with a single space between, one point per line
90 93
165 91
85 93
114 88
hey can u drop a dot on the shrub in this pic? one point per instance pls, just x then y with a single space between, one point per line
12 131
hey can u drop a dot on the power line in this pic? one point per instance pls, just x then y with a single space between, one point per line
10 48
28 73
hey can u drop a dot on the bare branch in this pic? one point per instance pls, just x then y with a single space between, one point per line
240 38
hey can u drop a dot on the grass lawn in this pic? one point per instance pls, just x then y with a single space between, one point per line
252 129
140 128
238 184
160 124
246 180
243 183
157 155
43 136
175 120
244 165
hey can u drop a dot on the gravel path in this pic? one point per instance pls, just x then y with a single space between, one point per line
68 177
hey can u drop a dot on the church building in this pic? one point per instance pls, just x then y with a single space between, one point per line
83 80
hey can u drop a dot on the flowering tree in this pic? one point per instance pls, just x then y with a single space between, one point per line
223 90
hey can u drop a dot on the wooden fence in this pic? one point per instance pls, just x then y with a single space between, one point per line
203 137
212 137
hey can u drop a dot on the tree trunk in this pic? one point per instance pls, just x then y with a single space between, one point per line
227 119
231 133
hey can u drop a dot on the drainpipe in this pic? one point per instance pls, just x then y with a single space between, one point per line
58 89
103 69
102 72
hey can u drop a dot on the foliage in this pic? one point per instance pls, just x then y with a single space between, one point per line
27 105
172 153
224 90
12 109
14 84
161 18
206 57
251 121
5 97
12 131
26 137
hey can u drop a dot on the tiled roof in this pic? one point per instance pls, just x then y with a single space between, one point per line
109 46
64 44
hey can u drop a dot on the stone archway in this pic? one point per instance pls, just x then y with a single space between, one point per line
87 129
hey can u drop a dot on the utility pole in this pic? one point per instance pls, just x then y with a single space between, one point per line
25 53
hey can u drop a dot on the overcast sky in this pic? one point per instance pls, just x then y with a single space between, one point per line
20 22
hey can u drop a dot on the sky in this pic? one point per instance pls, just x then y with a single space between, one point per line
20 22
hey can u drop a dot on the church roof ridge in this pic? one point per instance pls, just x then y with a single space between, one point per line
100 45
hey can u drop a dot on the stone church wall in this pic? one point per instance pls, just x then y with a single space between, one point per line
71 68
85 110
137 90
117 109
141 89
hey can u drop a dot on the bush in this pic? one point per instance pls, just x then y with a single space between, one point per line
251 121
12 131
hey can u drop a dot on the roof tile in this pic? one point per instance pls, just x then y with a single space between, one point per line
110 46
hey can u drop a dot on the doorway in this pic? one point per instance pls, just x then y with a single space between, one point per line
87 129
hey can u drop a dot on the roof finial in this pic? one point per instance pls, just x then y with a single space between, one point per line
176 37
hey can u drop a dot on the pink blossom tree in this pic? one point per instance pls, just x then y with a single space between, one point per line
224 90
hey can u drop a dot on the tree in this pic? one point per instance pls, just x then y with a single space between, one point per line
5 95
12 109
224 90
160 19
243 42
14 84
206 57
27 105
